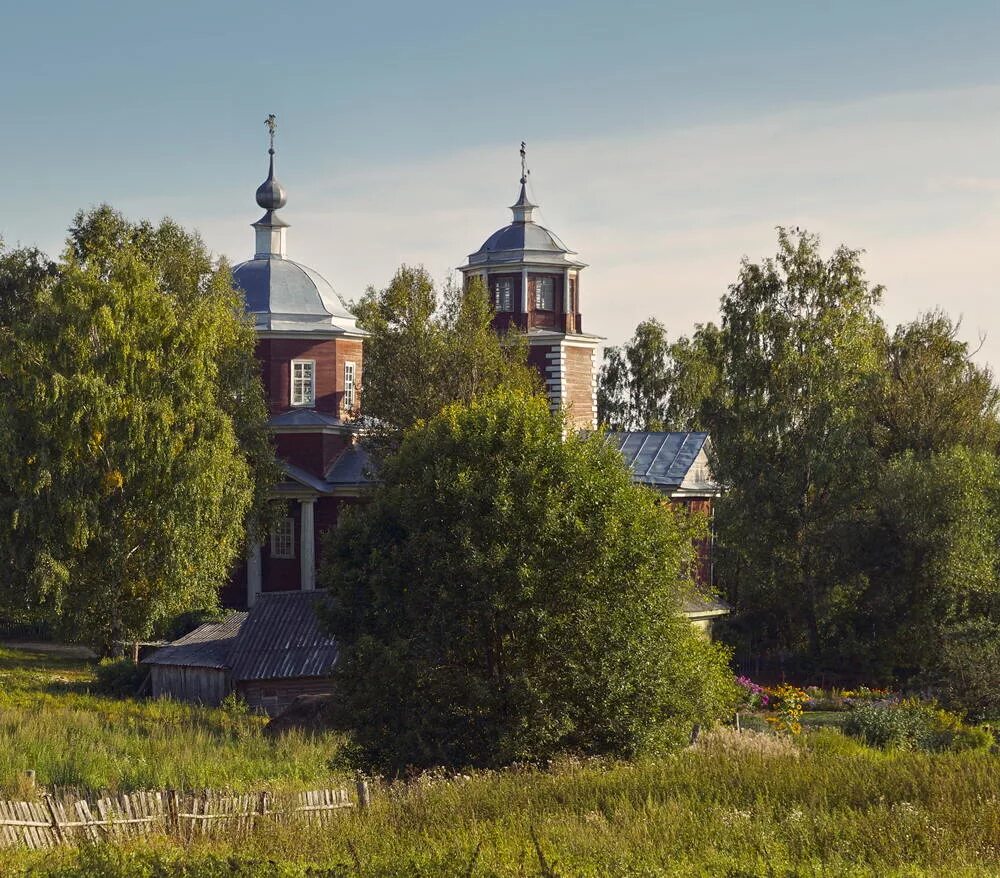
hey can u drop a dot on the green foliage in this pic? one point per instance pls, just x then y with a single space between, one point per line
634 380
696 389
186 622
801 345
842 811
426 349
133 444
964 670
935 553
53 721
914 725
508 594
934 397
119 677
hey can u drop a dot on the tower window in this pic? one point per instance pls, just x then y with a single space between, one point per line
503 294
350 371
303 382
545 294
283 539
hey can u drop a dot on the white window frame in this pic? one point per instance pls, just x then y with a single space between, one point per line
540 303
298 399
283 539
350 384
503 294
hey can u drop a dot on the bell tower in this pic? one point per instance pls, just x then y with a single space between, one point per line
533 280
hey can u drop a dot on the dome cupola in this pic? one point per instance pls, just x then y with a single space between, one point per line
282 294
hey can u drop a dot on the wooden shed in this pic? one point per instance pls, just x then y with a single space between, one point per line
195 667
270 655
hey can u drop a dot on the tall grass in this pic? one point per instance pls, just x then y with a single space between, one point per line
51 723
734 806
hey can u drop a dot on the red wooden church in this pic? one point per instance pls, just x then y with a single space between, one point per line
312 355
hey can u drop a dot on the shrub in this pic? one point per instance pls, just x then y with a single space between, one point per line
965 674
119 677
508 594
914 725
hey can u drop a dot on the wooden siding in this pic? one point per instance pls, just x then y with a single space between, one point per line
201 685
273 696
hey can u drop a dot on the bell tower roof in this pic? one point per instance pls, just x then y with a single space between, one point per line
523 241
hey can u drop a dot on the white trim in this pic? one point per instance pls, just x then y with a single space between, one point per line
305 403
289 523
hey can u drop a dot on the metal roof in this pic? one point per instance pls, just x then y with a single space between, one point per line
281 639
305 418
659 460
353 467
208 646
291 293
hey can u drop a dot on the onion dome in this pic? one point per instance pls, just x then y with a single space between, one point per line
284 295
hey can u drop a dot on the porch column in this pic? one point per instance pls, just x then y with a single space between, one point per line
307 546
253 573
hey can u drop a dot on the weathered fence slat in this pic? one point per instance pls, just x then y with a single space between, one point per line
67 820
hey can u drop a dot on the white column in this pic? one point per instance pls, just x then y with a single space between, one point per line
565 308
307 545
253 573
524 291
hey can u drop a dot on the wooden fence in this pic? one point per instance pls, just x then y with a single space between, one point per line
54 821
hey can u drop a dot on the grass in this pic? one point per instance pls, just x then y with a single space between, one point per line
52 723
734 806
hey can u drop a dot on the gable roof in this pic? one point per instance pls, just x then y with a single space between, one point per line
666 461
282 638
208 646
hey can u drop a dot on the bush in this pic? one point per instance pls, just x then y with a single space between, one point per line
119 677
914 725
508 594
965 675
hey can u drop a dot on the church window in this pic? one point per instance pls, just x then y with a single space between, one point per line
503 294
283 539
350 371
303 382
544 293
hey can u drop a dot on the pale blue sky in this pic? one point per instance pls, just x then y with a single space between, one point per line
666 140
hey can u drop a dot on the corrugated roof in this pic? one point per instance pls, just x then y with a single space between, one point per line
208 646
282 639
660 460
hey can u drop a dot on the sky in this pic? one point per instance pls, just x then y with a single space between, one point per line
666 140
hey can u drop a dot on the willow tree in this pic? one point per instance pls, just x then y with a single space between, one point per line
133 441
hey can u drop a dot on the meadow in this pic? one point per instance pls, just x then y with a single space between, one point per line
734 805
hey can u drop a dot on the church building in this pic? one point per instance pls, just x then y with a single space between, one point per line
311 354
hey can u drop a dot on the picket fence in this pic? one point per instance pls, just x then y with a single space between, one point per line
57 821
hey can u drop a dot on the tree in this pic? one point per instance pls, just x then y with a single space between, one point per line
801 346
634 380
934 396
934 549
508 594
132 429
695 379
426 349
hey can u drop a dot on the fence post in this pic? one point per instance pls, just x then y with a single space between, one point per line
29 776
54 817
173 814
364 795
262 803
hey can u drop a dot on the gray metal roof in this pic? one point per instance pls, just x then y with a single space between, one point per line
282 639
286 292
208 646
353 467
659 460
305 418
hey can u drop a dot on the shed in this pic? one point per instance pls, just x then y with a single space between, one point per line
282 652
195 667
269 655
